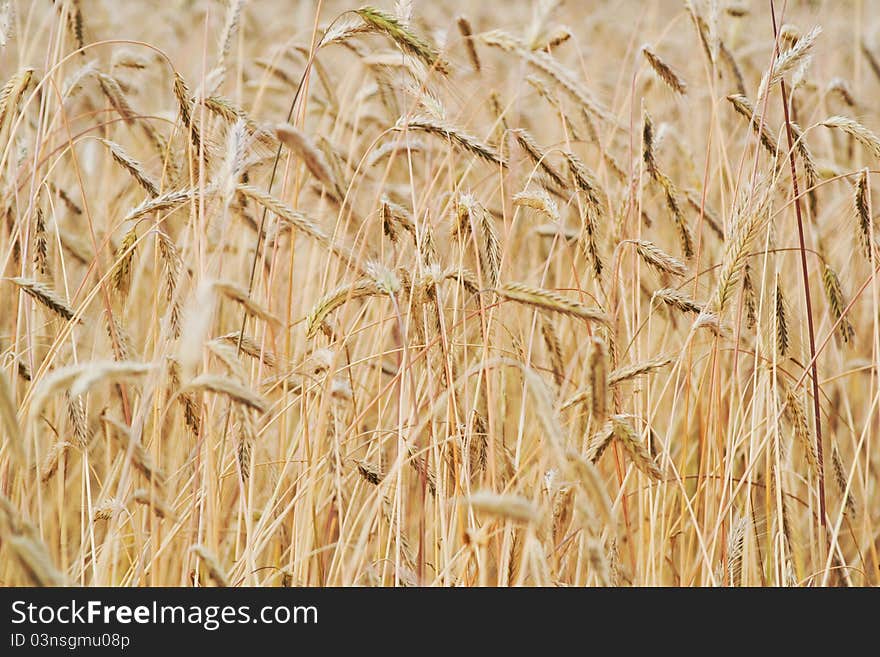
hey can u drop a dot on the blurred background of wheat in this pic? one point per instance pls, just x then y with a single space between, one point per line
521 304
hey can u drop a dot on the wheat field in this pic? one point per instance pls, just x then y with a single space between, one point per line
531 293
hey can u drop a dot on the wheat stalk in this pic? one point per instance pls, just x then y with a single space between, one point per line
840 480
746 227
403 36
511 507
537 155
240 295
299 221
23 541
629 372
41 245
453 134
9 417
467 35
45 295
550 301
837 303
232 389
664 71
333 300
678 300
12 91
311 156
788 60
659 259
795 413
554 348
538 199
782 338
855 129
744 107
626 435
212 564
